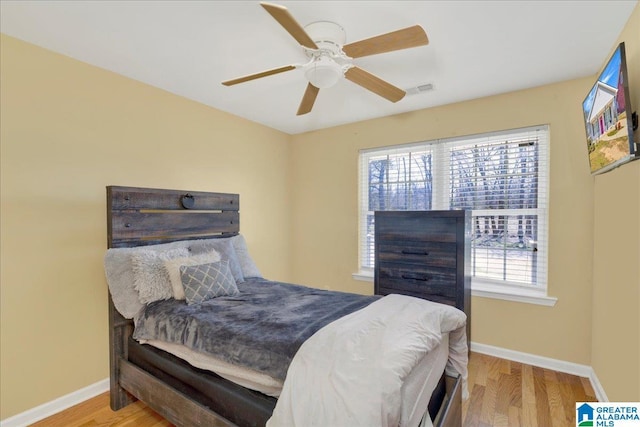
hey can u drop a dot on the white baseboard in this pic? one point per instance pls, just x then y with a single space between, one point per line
58 405
597 387
545 362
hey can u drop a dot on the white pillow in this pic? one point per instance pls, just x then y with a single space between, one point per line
173 269
150 277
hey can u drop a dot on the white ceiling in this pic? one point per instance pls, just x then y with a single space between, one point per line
476 49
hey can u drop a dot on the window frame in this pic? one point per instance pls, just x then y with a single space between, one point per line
485 287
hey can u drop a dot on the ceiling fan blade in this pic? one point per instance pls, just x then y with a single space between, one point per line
282 15
396 40
259 75
308 99
374 84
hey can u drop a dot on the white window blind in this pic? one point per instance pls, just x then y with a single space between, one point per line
502 177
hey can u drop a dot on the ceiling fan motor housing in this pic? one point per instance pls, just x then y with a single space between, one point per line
328 36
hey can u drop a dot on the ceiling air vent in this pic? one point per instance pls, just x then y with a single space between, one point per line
419 89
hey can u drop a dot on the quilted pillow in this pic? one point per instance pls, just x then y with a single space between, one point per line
173 268
150 277
206 281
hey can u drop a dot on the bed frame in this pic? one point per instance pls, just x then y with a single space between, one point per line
143 216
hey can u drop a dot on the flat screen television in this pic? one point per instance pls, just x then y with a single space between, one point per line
608 117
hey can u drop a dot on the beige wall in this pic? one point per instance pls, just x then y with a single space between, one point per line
615 352
325 222
69 130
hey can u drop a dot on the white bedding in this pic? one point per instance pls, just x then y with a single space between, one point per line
419 385
351 372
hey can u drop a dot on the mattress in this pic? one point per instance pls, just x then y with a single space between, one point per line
416 390
242 376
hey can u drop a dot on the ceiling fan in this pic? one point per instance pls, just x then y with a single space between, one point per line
329 58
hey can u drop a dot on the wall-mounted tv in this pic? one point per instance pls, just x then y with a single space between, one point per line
608 117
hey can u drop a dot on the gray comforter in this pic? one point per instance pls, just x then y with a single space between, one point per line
262 328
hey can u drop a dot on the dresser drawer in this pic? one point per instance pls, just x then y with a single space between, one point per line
429 253
418 273
419 277
412 227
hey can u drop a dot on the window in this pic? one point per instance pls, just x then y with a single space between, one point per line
501 177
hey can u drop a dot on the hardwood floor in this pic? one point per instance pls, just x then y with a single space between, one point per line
505 393
96 412
502 393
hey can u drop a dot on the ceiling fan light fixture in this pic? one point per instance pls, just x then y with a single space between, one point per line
324 72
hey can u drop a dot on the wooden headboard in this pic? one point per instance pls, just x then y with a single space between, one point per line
147 216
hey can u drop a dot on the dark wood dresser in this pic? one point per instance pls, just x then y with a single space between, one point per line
425 254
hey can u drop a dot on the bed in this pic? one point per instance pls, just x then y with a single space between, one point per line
173 381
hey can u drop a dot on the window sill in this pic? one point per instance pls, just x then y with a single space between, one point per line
486 290
363 276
